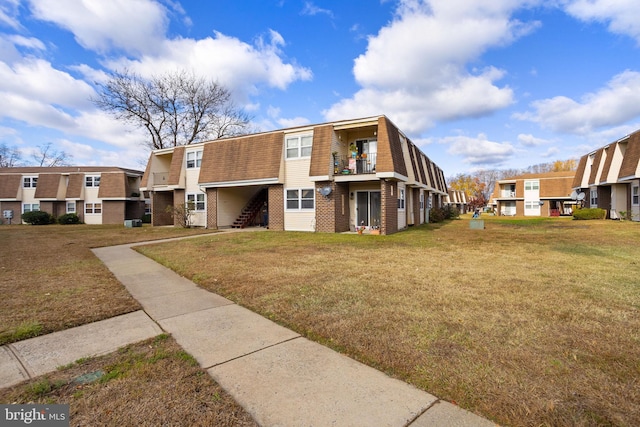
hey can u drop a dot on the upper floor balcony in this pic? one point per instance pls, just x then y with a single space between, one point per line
160 178
361 164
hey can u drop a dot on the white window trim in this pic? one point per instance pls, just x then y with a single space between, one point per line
196 201
195 157
635 189
31 205
299 199
593 197
94 179
74 207
32 180
533 185
401 199
298 146
93 208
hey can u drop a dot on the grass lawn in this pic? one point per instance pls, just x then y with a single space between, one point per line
151 383
50 280
528 322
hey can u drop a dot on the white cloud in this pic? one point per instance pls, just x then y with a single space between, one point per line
621 15
610 106
415 69
130 26
550 152
293 122
37 81
9 14
312 10
479 150
529 140
240 67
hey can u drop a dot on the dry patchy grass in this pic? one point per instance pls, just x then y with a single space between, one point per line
151 383
50 280
528 322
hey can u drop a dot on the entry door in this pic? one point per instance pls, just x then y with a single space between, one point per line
368 208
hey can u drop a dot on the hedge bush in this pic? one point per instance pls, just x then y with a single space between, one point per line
589 213
38 218
441 214
69 218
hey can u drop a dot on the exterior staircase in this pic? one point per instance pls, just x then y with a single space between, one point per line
251 210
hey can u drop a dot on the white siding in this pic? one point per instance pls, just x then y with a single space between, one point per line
296 176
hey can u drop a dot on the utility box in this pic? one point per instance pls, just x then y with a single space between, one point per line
129 223
476 224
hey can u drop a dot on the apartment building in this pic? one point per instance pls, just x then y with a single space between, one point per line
330 177
98 195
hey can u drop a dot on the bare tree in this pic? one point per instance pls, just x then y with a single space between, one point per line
9 156
175 108
48 156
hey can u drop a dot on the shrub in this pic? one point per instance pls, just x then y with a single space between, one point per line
69 218
589 213
146 218
441 214
38 218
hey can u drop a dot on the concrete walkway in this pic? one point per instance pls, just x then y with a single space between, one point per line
279 377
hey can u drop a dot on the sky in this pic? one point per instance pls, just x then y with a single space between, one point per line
476 84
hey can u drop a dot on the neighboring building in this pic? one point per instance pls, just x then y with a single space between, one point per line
458 199
329 177
98 195
609 177
542 194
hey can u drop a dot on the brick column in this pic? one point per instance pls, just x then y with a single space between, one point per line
389 207
212 208
276 207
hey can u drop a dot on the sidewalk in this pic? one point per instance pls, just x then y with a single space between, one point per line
279 377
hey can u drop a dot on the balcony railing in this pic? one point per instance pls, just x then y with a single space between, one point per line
365 164
160 178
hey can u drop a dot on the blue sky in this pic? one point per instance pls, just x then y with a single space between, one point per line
508 84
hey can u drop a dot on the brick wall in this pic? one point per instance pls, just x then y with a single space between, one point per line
159 203
276 207
212 208
416 205
332 212
389 208
178 200
11 206
113 211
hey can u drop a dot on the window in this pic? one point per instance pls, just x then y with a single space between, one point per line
147 208
401 199
92 181
298 146
93 208
30 207
303 198
532 185
29 181
71 207
421 201
196 201
194 159
593 201
634 195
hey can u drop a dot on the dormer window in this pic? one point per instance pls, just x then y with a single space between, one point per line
298 146
194 159
29 181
